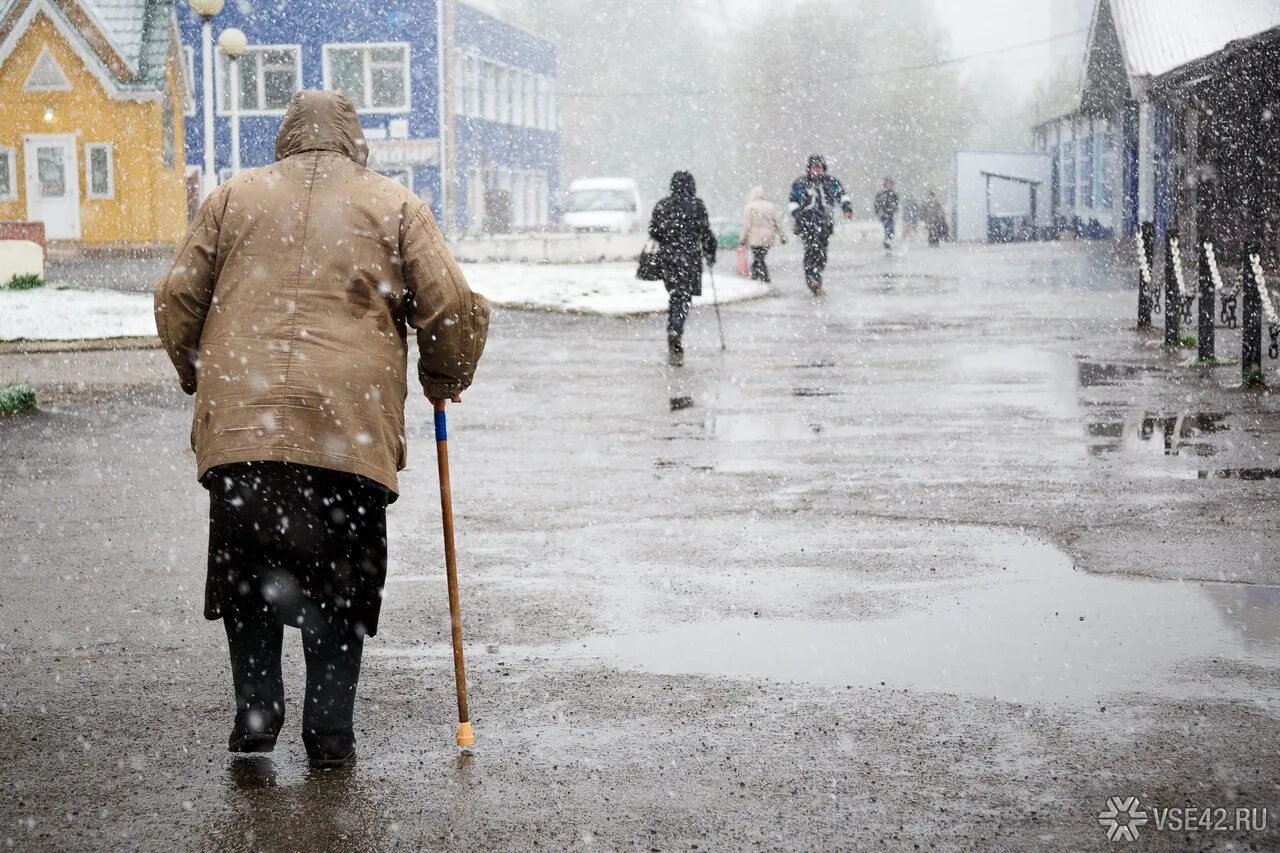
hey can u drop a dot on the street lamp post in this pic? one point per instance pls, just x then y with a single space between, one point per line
233 44
207 9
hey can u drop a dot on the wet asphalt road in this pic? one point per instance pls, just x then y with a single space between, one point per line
942 561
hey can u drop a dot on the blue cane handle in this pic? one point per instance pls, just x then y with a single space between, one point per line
442 426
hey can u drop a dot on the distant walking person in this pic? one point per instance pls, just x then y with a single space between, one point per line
814 197
887 210
286 313
761 227
682 230
935 221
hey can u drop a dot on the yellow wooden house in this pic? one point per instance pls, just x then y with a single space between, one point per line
91 113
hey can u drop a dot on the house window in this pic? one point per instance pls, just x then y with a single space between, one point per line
530 100
460 85
269 76
46 75
473 86
8 174
504 95
1105 146
551 104
540 115
100 165
374 76
1069 176
1086 172
189 55
517 97
490 91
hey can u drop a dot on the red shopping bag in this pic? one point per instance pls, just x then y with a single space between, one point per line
742 262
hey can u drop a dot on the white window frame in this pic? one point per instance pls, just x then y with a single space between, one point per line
367 49
88 170
64 86
489 97
530 99
189 56
551 104
12 169
255 54
517 97
504 74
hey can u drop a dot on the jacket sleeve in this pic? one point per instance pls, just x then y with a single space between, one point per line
451 321
656 232
184 294
797 197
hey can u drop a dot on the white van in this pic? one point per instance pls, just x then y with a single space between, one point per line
602 205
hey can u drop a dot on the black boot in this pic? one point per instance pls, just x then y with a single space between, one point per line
329 749
255 731
675 350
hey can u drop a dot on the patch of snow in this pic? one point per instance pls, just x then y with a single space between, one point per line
65 313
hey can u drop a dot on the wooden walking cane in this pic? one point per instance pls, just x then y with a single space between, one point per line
466 735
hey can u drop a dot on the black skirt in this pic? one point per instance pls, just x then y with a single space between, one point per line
295 538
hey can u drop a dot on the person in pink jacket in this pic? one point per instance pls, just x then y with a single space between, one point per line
761 226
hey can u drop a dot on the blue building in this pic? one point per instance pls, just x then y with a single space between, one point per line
441 86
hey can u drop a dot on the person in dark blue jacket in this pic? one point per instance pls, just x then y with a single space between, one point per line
814 197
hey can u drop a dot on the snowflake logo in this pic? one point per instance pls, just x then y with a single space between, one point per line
1121 818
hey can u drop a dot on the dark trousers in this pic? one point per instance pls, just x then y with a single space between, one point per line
678 301
815 252
889 227
759 268
299 546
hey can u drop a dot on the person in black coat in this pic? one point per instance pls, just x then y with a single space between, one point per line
887 210
681 228
814 197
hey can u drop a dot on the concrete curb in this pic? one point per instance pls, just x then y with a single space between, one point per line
81 345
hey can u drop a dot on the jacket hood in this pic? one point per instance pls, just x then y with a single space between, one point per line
757 193
682 184
321 121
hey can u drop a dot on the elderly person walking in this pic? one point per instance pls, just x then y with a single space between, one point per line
761 227
285 314
681 228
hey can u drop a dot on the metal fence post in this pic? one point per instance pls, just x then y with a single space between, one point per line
1147 240
1251 327
1206 330
1172 298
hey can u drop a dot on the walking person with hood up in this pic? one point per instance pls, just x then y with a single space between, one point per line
286 313
887 210
814 197
761 227
681 228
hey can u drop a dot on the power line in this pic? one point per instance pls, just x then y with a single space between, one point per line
848 78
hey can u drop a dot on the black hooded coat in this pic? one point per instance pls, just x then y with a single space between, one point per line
682 230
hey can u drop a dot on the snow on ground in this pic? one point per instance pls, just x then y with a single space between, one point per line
57 313
592 288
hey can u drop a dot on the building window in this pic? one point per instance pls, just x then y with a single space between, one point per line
517 97
1105 146
1086 172
374 76
8 174
530 100
540 112
460 85
1069 176
189 55
46 75
100 167
473 86
551 104
490 75
504 95
269 77
168 132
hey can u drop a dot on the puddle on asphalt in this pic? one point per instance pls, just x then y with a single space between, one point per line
1172 435
1101 373
815 365
1038 632
815 392
763 426
1252 474
679 403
